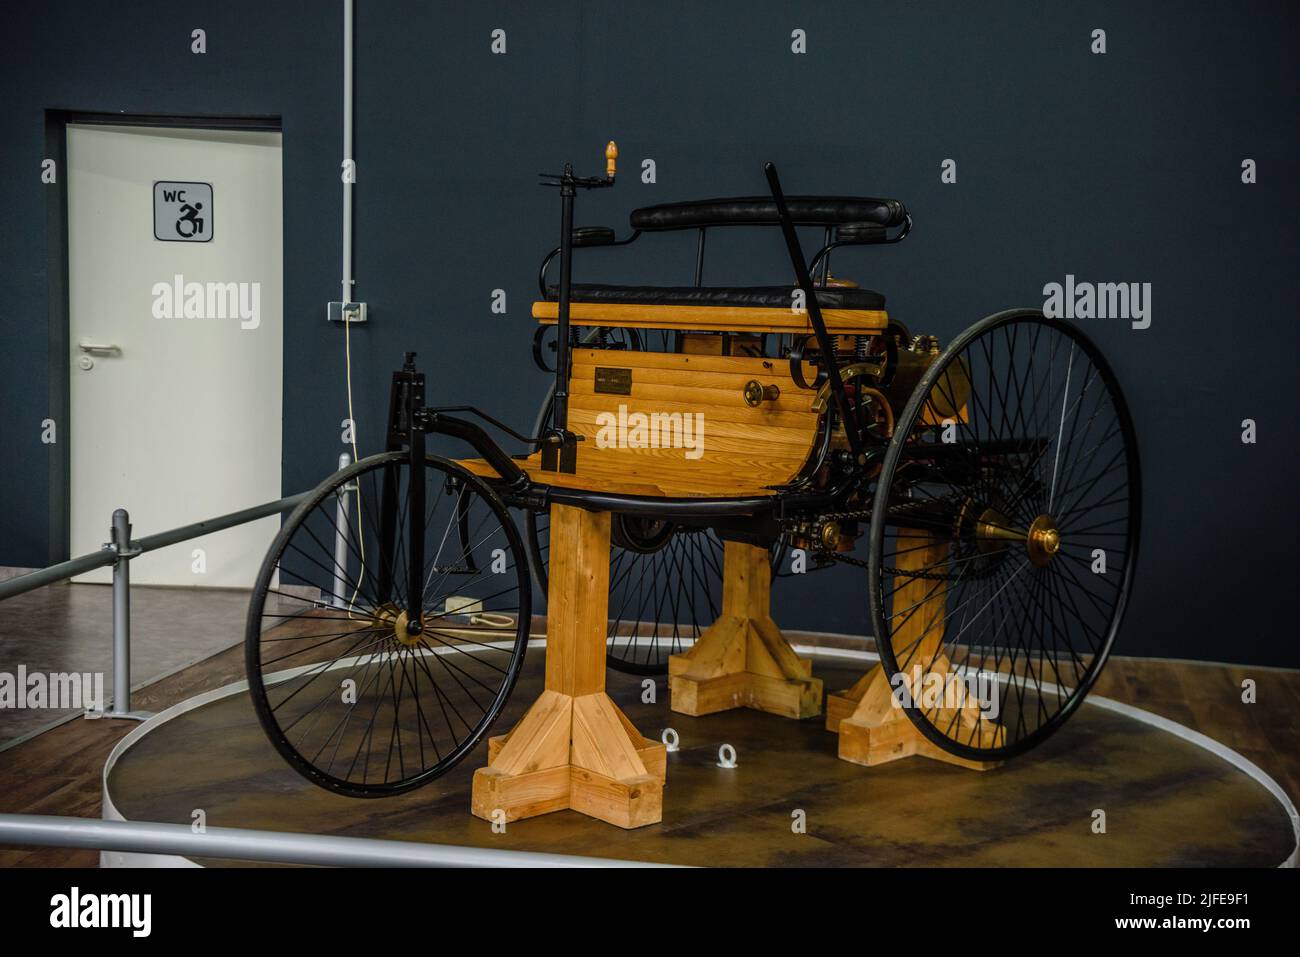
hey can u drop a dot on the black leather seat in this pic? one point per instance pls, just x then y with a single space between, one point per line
770 297
761 211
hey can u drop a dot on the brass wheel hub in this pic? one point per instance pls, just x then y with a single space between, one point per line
389 616
1043 540
992 529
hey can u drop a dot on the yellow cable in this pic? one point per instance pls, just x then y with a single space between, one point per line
361 538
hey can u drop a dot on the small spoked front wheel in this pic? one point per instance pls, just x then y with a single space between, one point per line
1004 535
350 695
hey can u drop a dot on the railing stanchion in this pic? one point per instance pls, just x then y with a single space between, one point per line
118 552
125 550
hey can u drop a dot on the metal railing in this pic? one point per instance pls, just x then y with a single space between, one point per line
280 847
119 551
144 837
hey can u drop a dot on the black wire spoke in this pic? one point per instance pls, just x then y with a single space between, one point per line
458 671
315 671
1075 503
364 742
400 562
688 549
365 710
1031 476
329 638
666 604
654 599
328 634
445 661
1063 597
413 676
330 692
937 592
983 604
306 612
1040 471
1031 633
467 546
339 735
658 595
645 595
369 507
316 712
617 573
339 732
1062 571
684 603
357 584
329 571
1069 443
443 703
1052 604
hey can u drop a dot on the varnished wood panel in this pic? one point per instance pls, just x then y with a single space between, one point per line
744 450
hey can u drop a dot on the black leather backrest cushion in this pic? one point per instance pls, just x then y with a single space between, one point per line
770 297
593 235
761 211
860 233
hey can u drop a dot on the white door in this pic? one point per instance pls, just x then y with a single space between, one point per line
176 340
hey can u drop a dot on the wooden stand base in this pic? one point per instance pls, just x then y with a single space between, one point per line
573 752
873 728
574 748
742 660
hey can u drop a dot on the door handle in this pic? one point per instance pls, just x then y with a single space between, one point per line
96 348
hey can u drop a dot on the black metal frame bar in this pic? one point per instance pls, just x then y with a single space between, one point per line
822 256
410 420
814 311
546 263
559 450
830 244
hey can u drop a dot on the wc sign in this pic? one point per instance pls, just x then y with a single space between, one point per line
182 212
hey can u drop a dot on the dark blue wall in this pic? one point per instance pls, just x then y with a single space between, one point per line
1122 167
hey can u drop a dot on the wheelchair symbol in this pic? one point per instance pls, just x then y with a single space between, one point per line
191 223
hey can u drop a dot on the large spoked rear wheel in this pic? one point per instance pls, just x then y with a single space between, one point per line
350 698
1004 535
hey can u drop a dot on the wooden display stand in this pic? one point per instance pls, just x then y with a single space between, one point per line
871 727
574 748
742 660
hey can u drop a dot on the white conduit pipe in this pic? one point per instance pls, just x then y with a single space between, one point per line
347 150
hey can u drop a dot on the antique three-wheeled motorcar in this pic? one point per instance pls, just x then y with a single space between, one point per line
700 442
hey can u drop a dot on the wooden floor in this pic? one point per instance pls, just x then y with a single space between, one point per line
81 616
59 771
1168 802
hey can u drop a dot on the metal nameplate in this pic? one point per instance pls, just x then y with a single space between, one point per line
613 381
